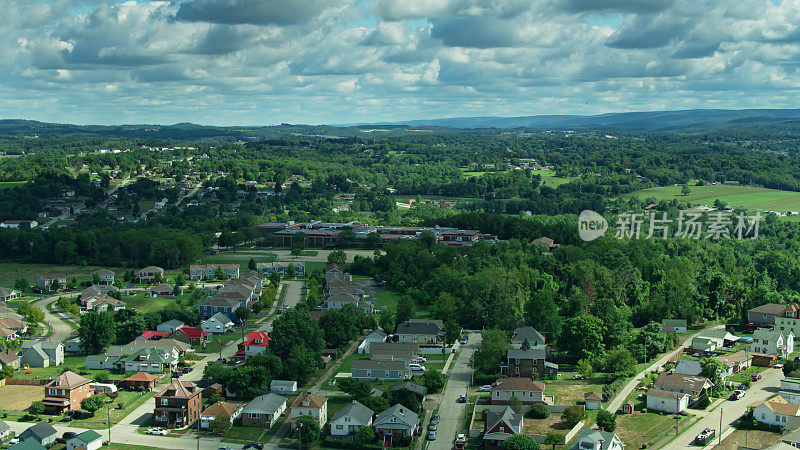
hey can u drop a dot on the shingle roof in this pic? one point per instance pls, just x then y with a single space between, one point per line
357 411
769 308
596 436
41 430
508 416
8 357
517 384
529 333
665 394
592 396
219 301
766 334
402 413
268 403
689 367
366 364
222 318
680 381
535 352
377 333
413 387
179 389
88 436
68 380
674 323
141 377
779 405
222 409
314 400
419 326
391 346
4 427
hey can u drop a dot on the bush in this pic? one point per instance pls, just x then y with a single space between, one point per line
539 411
515 404
606 421
36 408
520 442
573 414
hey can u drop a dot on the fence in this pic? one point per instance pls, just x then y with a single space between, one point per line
19 382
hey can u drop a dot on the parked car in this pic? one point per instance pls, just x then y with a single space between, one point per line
433 426
224 447
176 374
432 435
741 387
187 369
705 437
416 367
435 418
755 377
464 339
420 359
157 431
485 388
462 398
736 395
254 445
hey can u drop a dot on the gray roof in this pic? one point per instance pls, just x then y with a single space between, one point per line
392 355
366 364
377 334
4 427
689 367
535 352
46 345
402 413
770 308
419 326
595 436
718 333
222 318
529 333
265 404
674 322
357 411
767 334
507 415
40 431
413 387
172 323
5 292
283 383
392 346
219 301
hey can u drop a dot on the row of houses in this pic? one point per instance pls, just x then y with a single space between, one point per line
235 293
341 290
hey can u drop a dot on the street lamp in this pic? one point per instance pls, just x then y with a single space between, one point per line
108 418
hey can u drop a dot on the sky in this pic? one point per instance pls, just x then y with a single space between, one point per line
264 62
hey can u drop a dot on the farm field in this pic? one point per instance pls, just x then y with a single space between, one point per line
749 197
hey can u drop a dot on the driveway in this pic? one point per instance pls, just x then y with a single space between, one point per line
731 410
61 329
451 414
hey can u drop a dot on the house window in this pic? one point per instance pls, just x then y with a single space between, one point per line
340 427
253 415
164 402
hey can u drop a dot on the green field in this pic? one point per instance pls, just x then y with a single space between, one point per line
11 184
11 271
749 197
549 177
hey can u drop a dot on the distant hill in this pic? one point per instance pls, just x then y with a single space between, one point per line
633 121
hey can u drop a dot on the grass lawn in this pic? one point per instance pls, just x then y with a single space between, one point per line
647 428
70 362
129 400
145 205
749 197
739 378
144 304
313 266
224 339
570 392
9 272
754 439
20 397
386 298
549 177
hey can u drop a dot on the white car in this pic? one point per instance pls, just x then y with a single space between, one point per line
485 388
420 359
416 367
157 431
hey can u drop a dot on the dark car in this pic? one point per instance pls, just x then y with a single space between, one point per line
435 418
462 399
176 374
255 445
187 369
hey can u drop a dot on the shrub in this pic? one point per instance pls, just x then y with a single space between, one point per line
539 411
573 414
36 408
606 421
515 404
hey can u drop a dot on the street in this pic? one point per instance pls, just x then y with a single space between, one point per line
732 410
61 330
451 413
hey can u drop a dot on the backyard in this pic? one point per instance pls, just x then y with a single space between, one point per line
129 401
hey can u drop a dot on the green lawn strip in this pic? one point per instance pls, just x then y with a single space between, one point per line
130 400
386 298
217 340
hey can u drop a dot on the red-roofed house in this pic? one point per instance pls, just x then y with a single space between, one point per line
151 335
191 335
256 342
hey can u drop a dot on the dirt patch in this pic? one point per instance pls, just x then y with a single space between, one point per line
20 397
755 439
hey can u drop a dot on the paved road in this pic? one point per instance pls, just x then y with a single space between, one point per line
732 410
61 329
451 414
626 391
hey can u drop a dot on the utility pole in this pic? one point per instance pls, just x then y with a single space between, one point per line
720 426
108 419
198 432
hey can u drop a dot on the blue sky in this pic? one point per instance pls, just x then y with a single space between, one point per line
261 62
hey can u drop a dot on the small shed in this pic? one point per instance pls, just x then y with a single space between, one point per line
332 353
627 407
593 400
212 389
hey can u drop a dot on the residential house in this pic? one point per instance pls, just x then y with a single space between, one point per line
102 362
17 223
103 303
282 268
218 305
42 432
217 324
376 335
283 387
7 295
6 433
350 419
528 391
9 358
177 348
88 440
164 290
191 335
225 409
775 411
592 400
337 301
105 277
713 340
396 421
51 282
764 315
789 319
772 342
209 271
499 426
689 367
73 346
7 335
170 326
421 331
591 439
395 354
263 411
152 335
529 334
791 433
178 404
674 326
150 274
150 360
411 387
529 363
245 295
66 392
763 360
735 362
29 444
790 390
667 401
379 370
41 354
685 384
310 404
14 324
140 381
255 342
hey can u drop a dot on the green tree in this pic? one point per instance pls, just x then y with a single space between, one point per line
220 424
584 367
301 364
713 369
520 442
274 278
572 415
493 349
96 332
554 439
21 284
703 401
433 380
346 238
685 191
582 337
93 403
291 271
337 257
309 429
620 362
405 309
242 313
219 274
386 319
366 435
606 421
515 404
252 264
74 309
36 408
539 411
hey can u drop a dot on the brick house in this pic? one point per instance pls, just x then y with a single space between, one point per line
178 404
530 363
66 392
499 426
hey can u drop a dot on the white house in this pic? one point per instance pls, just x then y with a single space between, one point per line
228 409
772 342
263 411
88 440
666 401
774 412
396 421
528 391
790 390
310 404
170 326
283 387
711 340
350 419
218 323
377 335
590 439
